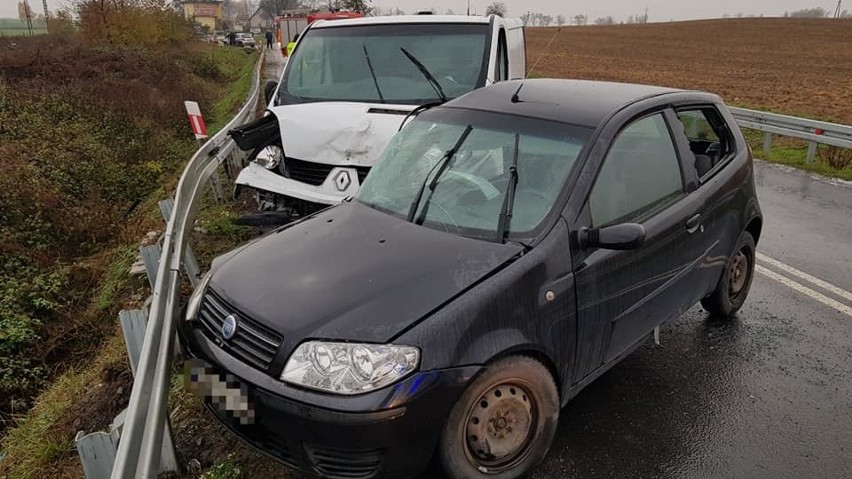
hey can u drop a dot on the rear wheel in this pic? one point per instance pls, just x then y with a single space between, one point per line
503 424
735 283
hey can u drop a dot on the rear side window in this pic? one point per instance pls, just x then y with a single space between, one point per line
709 138
640 173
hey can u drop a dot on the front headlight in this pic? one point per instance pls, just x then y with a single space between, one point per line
270 157
345 368
194 302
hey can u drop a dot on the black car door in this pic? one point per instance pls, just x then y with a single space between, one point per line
623 295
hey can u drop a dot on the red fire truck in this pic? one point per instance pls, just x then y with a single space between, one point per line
293 22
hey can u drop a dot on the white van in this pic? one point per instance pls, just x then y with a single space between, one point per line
348 88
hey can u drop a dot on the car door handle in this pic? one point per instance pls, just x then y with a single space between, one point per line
693 224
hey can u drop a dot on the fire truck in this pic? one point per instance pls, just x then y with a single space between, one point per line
292 22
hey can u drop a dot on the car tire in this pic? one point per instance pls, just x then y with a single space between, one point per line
735 283
503 424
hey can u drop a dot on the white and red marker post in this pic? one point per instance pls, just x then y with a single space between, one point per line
196 121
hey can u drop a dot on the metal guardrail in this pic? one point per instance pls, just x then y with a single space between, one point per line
139 447
816 132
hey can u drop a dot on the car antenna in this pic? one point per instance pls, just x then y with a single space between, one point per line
515 97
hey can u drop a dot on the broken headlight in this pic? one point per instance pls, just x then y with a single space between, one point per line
348 369
270 157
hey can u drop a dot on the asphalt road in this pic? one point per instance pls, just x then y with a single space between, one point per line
768 394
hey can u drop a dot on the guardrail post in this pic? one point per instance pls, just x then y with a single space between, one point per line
812 149
767 143
190 265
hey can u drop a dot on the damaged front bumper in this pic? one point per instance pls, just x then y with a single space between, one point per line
341 183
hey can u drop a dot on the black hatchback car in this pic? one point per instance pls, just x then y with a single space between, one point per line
508 248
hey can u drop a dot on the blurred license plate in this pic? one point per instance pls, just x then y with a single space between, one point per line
229 395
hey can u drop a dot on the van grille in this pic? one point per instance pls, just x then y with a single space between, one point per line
307 172
253 343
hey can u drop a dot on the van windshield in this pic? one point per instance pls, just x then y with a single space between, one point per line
469 194
337 64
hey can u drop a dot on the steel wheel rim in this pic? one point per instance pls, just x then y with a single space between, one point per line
738 272
499 427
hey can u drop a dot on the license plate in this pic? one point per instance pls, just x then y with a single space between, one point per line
229 395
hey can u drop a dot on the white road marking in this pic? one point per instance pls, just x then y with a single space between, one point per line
805 276
805 290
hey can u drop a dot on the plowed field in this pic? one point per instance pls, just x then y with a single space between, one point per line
800 67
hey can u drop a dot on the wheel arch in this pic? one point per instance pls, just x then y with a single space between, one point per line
755 227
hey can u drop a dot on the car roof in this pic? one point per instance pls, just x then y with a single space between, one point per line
578 102
409 19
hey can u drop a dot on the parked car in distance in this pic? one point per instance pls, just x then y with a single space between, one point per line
508 248
245 40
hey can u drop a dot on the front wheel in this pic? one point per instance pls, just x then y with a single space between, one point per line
735 283
503 425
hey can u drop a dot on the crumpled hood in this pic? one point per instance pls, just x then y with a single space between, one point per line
352 273
338 133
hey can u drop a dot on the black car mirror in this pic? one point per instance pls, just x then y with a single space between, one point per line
623 237
268 90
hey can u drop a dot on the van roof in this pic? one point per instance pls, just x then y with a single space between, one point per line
402 19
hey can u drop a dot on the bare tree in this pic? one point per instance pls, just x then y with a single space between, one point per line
817 12
560 20
580 19
360 6
605 21
275 7
546 20
496 8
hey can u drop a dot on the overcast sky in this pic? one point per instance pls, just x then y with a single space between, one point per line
658 10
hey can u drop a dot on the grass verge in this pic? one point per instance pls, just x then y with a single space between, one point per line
792 152
86 397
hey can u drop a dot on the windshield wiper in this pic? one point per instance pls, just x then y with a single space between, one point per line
429 77
373 73
443 164
509 200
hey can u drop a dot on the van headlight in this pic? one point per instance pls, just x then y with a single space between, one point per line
194 303
347 368
270 157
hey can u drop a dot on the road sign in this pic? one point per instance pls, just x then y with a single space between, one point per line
196 121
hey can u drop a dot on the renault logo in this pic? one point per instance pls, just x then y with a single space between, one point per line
229 327
342 180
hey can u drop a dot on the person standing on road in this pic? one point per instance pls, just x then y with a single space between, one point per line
268 40
292 45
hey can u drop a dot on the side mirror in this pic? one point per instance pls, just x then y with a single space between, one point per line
268 90
623 237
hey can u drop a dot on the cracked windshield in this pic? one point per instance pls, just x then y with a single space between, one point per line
469 196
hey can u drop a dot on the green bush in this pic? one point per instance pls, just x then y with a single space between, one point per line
87 130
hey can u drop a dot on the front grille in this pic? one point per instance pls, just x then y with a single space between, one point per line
307 172
348 464
253 343
362 174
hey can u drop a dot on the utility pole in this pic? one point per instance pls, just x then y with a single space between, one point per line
468 8
838 11
29 14
646 14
